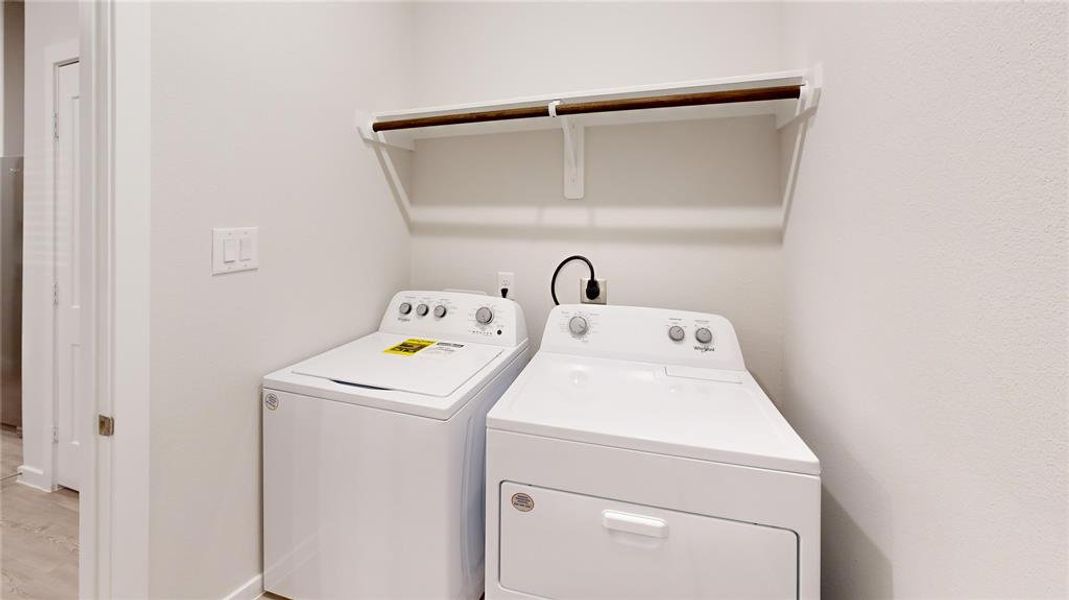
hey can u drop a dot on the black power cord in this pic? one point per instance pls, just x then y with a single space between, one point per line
593 290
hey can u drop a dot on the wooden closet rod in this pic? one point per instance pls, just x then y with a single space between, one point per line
596 106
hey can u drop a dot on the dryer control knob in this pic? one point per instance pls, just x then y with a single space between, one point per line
422 309
703 335
404 308
439 311
484 315
577 325
676 333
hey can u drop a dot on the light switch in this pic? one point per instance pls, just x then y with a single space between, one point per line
230 250
246 249
235 249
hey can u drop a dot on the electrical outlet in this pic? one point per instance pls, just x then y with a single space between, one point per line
602 298
506 281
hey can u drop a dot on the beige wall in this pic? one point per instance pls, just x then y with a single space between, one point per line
252 125
926 297
472 52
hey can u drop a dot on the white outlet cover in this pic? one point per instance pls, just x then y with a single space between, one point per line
603 285
243 244
506 280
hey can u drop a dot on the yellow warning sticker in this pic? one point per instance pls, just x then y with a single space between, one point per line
409 347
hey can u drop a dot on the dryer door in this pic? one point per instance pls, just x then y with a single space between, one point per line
562 545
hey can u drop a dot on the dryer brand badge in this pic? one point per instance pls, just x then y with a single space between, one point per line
271 401
522 502
410 347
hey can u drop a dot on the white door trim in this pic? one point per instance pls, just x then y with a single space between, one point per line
114 503
93 499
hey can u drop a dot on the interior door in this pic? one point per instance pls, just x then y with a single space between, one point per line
67 293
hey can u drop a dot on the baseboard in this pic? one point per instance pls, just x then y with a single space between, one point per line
35 478
250 590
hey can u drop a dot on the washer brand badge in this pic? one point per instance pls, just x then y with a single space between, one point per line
522 502
271 401
409 347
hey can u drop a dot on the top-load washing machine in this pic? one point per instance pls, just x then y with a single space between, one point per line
635 457
373 453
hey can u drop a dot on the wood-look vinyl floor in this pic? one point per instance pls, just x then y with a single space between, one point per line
10 453
38 534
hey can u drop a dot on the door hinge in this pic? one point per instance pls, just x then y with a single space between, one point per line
105 425
55 434
55 293
55 126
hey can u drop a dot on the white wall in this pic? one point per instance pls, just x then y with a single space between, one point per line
252 113
926 297
48 25
480 51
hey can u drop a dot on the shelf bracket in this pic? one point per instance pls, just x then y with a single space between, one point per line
393 176
574 135
808 100
364 122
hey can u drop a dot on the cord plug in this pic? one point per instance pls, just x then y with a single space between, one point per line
593 290
504 292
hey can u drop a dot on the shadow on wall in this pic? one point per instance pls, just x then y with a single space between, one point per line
844 542
697 233
691 181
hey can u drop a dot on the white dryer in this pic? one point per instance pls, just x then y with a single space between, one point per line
373 453
635 457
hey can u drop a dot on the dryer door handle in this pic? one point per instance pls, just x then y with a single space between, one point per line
636 524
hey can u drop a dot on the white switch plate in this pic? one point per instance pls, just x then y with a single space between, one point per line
245 249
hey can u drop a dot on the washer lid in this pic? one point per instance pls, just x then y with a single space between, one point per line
384 361
721 416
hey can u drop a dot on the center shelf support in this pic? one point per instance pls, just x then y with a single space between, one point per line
574 163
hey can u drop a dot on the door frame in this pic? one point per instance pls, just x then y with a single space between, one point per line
83 225
116 188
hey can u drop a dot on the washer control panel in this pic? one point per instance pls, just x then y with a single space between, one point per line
644 334
455 316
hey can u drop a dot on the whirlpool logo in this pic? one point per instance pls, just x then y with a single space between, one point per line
271 401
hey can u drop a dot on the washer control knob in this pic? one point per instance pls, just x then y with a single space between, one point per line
404 308
439 311
676 333
703 335
421 310
577 325
484 315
